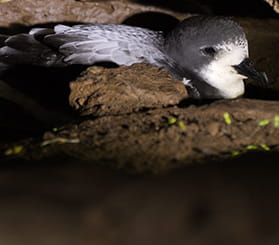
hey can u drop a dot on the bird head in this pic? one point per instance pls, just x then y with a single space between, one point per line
213 58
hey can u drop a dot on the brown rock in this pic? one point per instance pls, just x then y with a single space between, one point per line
102 91
30 12
214 128
274 4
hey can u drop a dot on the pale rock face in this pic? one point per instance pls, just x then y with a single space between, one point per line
274 4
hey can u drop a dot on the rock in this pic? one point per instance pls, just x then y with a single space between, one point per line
102 91
148 142
274 4
15 13
30 12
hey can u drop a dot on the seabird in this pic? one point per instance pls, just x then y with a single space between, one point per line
209 54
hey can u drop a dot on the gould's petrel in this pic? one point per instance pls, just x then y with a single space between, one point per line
208 54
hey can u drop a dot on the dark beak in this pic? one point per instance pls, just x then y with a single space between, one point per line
246 68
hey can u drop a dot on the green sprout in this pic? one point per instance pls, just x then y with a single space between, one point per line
263 122
251 147
227 118
172 121
235 153
265 147
17 149
182 125
276 121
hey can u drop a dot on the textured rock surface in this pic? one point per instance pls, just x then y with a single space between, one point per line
162 139
100 91
30 12
274 4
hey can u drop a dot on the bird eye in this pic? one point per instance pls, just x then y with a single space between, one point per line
209 51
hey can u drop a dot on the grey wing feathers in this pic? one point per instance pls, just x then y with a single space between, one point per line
88 44
82 44
26 49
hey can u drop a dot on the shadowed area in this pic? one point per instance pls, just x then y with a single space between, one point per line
75 202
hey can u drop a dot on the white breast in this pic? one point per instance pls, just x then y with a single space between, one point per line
220 72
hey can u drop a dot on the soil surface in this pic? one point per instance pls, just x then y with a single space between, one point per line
65 158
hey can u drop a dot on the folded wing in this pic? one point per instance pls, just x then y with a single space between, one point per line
83 44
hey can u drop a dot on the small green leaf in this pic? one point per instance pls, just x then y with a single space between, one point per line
227 118
235 153
17 149
265 147
276 121
252 147
182 125
172 120
263 122
55 129
8 152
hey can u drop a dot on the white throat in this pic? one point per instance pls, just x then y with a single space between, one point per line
221 75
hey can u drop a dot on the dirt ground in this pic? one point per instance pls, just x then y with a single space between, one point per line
98 170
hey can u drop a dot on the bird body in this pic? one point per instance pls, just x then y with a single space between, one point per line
204 52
